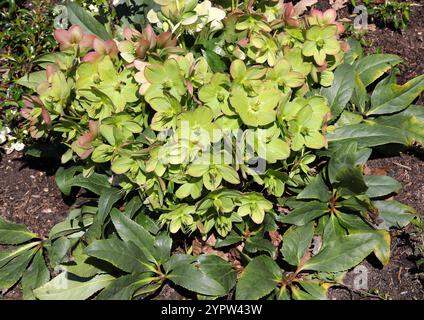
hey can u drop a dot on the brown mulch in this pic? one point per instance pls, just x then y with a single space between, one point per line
29 195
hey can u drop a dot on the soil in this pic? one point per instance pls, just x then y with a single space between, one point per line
29 195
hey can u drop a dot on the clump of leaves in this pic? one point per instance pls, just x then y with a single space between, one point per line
254 135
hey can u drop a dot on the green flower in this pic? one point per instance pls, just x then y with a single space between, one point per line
212 174
215 94
248 78
167 108
253 23
320 42
305 118
56 90
258 110
268 144
262 48
284 76
179 217
254 205
198 123
105 88
164 78
195 71
275 182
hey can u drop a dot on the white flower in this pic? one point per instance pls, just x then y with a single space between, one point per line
18 146
3 134
93 8
210 15
116 2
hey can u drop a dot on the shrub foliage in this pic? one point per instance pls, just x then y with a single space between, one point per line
226 147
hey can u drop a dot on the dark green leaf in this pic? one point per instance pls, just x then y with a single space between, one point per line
379 186
394 214
206 274
123 255
79 16
64 179
214 61
304 214
258 279
129 230
367 135
342 254
67 286
123 288
13 270
390 97
372 67
35 276
316 189
296 240
13 233
339 94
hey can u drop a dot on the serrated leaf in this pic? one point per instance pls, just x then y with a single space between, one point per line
129 230
259 244
367 135
96 183
106 201
14 269
316 189
123 288
343 253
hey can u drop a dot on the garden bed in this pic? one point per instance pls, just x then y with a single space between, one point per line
29 195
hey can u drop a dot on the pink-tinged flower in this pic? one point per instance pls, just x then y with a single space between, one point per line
138 44
344 46
29 104
328 17
101 49
51 69
289 15
139 76
74 36
83 146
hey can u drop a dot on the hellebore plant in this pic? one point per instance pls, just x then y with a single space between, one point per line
212 151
